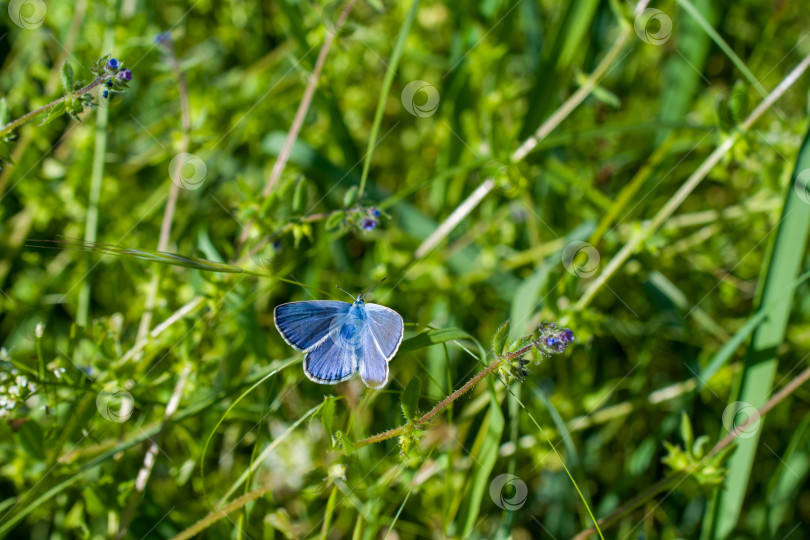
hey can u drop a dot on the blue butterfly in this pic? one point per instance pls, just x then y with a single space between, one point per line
339 338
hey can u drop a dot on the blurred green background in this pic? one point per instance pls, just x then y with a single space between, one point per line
664 349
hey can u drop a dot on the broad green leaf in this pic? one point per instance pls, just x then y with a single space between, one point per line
67 77
55 113
334 220
410 398
350 197
300 196
499 340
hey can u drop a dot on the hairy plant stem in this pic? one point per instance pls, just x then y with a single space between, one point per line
679 476
11 126
422 421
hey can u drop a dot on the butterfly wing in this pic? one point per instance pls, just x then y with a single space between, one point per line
332 361
304 325
383 334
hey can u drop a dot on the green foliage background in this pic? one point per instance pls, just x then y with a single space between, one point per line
501 68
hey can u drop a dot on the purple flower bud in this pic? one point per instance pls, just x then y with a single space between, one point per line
126 75
369 224
567 336
112 63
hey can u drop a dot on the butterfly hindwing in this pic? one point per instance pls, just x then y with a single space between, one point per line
387 327
304 324
331 362
373 364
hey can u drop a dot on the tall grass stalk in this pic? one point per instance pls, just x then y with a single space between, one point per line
761 360
96 180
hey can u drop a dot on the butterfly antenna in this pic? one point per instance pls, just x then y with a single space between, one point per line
374 287
347 292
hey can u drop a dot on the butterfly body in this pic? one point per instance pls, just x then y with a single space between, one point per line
340 339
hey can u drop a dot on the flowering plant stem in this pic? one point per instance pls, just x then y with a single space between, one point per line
449 399
11 126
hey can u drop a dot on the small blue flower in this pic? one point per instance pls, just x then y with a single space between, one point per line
126 75
112 63
109 84
105 94
163 37
551 341
369 224
375 212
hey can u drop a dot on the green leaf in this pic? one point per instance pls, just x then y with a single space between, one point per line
686 432
300 196
519 343
326 413
410 398
67 77
55 113
32 440
433 337
3 111
344 442
350 197
335 219
499 341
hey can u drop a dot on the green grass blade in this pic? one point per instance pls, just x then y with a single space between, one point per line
386 88
761 360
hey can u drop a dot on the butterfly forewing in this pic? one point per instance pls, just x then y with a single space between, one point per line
304 324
